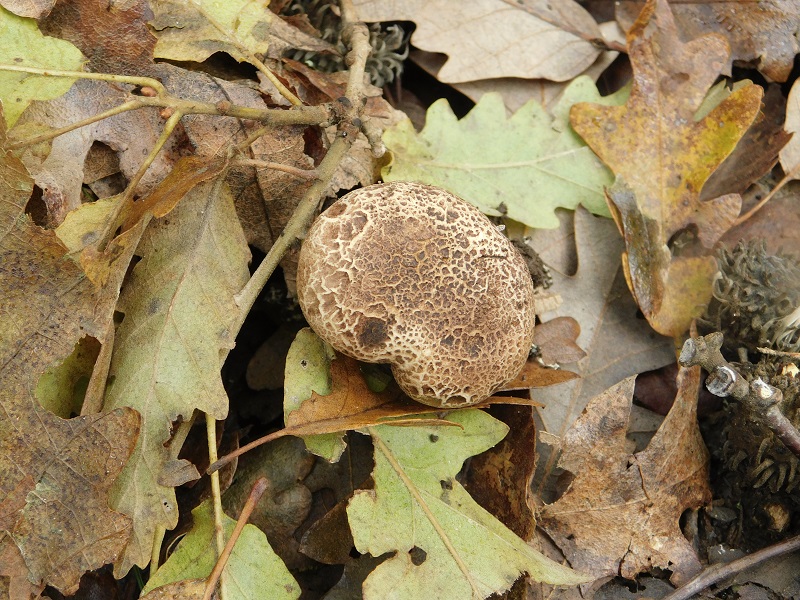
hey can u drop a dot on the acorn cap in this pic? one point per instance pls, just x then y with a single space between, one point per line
411 275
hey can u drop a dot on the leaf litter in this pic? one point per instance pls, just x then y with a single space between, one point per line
115 297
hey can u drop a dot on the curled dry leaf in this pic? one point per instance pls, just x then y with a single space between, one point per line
760 33
618 343
620 514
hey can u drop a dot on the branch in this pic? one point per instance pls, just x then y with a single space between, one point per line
724 380
348 110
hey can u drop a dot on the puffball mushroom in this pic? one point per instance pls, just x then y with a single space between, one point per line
411 275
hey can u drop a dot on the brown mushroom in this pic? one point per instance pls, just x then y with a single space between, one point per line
411 275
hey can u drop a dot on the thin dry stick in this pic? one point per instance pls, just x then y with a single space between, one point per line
263 164
716 573
259 487
772 352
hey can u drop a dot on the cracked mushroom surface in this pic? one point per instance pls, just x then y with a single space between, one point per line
411 275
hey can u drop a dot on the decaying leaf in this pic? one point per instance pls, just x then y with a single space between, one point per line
674 155
446 545
24 45
114 37
253 571
29 8
535 39
500 478
178 308
620 514
55 474
285 463
760 33
327 394
528 164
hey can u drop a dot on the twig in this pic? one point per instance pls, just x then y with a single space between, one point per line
772 352
786 179
716 573
299 115
724 380
263 164
125 107
259 487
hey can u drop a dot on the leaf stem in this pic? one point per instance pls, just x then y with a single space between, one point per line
129 105
137 81
124 200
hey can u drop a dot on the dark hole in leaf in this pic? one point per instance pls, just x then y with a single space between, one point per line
418 556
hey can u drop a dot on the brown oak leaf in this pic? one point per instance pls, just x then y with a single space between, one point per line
620 514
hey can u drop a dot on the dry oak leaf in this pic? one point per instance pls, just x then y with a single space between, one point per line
620 514
665 156
760 33
55 473
327 394
60 173
495 38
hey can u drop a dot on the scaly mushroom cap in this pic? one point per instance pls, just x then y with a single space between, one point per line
411 275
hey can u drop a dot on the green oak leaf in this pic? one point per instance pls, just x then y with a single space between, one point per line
524 166
253 571
446 546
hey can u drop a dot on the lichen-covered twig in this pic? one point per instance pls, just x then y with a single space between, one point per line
724 380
